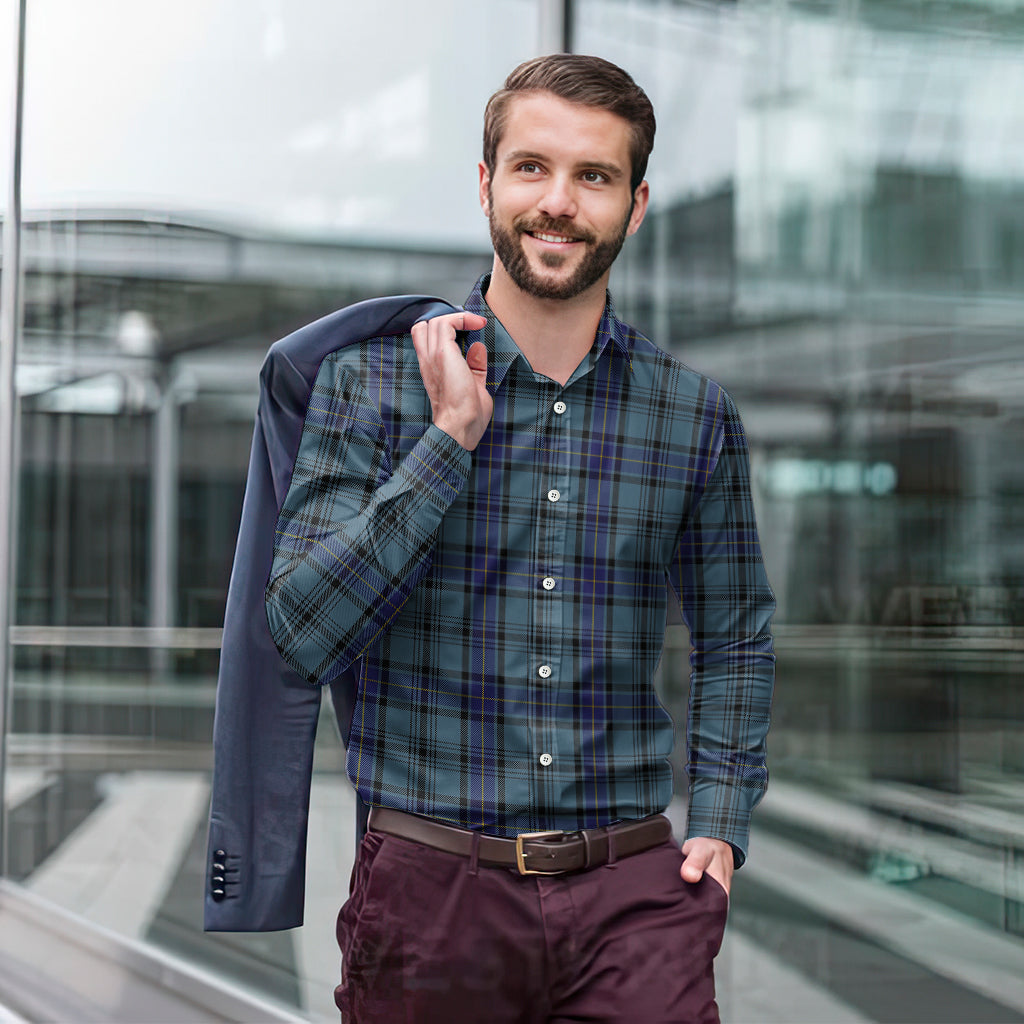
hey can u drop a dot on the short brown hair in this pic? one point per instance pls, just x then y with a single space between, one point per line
577 78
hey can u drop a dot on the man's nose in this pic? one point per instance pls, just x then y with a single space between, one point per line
559 199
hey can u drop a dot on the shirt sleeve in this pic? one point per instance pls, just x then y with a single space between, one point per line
354 535
727 604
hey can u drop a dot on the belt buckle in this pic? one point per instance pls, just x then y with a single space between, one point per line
521 856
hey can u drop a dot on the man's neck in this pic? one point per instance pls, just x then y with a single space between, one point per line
554 334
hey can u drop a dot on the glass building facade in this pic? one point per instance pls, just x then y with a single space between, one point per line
836 235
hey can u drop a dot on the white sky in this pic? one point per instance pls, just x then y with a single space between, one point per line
336 117
329 116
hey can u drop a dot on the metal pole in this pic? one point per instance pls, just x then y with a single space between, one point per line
553 25
10 319
163 547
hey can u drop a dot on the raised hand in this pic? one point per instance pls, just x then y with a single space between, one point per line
457 386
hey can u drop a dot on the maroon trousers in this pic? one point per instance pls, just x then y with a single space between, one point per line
431 938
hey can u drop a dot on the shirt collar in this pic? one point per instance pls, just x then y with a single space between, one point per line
502 351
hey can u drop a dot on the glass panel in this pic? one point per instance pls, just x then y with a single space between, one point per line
8 26
200 179
8 56
836 236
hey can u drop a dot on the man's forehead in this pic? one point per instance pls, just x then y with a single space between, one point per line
542 118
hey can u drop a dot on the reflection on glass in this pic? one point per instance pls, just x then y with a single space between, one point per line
836 237
200 179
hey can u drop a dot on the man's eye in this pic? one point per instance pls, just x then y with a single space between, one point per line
593 177
529 168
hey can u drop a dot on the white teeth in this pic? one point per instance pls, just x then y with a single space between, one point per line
551 238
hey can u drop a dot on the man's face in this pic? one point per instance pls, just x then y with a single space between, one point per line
559 203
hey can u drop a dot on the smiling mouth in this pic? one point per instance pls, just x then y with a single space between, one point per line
546 237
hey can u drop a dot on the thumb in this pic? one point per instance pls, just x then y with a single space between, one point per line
694 864
477 357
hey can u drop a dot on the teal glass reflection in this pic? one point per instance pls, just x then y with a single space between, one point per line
836 237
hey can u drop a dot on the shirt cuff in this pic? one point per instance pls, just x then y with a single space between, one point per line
439 466
721 811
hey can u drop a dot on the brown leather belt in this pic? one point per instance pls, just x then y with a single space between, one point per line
530 853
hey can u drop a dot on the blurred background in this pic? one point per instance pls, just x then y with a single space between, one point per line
836 235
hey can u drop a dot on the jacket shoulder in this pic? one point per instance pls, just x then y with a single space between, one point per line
371 318
292 364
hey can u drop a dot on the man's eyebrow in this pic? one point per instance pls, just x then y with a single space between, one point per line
522 154
611 170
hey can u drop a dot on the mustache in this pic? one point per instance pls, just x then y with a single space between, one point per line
552 226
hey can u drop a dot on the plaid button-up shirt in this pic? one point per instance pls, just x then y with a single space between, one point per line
507 606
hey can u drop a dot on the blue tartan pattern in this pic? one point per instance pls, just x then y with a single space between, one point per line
495 620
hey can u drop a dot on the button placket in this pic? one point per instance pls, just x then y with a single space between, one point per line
561 515
555 500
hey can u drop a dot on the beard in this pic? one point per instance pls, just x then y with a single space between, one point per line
598 257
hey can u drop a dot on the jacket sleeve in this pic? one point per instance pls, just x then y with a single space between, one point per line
263 732
354 535
727 604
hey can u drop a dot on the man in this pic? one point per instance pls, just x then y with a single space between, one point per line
485 515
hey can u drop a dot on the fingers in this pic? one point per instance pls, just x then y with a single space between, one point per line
456 386
443 328
436 345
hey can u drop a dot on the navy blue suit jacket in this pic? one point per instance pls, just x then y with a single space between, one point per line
266 714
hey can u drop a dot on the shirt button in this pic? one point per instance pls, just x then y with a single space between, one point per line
553 495
548 583
559 407
544 671
545 759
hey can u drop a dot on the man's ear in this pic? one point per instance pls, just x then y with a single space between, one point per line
485 184
641 197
